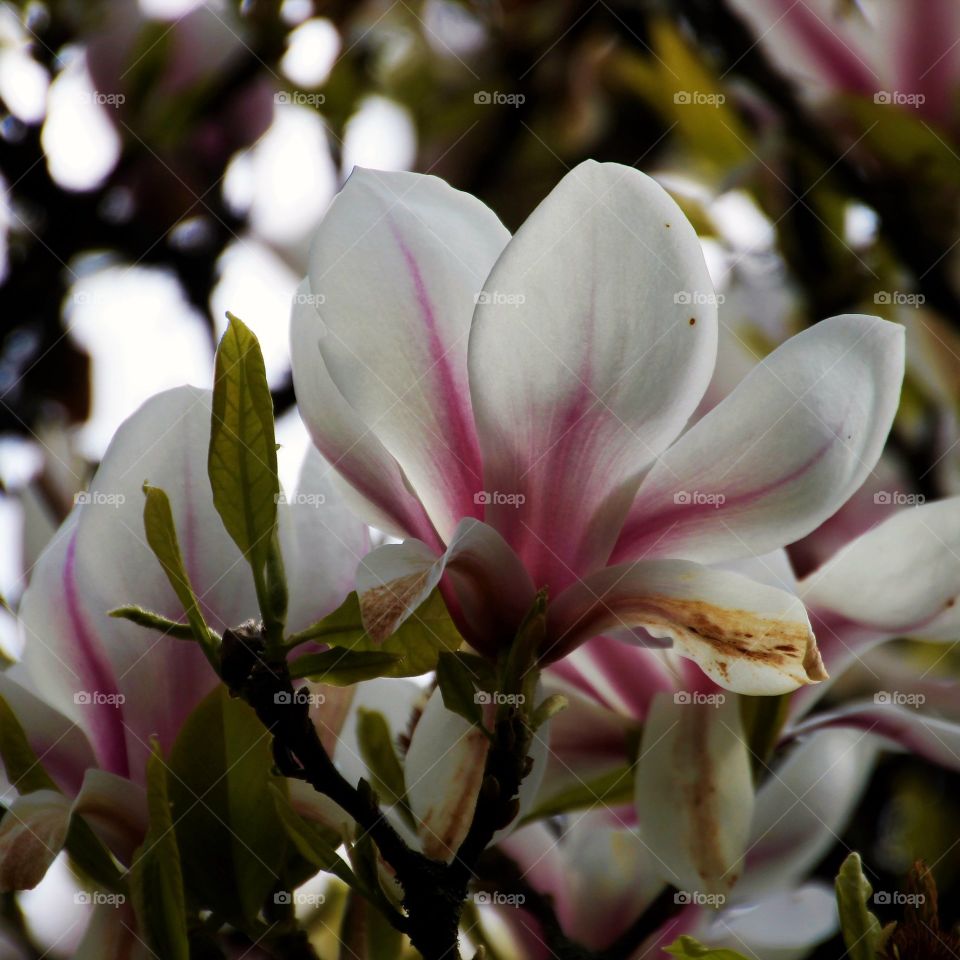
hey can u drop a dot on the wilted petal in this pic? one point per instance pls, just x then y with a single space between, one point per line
32 833
744 635
486 587
395 268
695 793
373 482
780 454
587 356
443 772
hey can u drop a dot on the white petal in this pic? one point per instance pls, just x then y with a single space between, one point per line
744 635
695 794
373 482
585 362
780 454
395 267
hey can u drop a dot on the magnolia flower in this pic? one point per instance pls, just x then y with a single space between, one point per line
513 407
95 689
893 53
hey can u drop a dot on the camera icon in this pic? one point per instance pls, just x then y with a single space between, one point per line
482 498
683 297
283 898
482 899
881 897
682 697
482 297
682 96
282 697
881 96
82 697
682 898
82 897
681 497
882 297
281 96
482 698
482 96
881 698
82 497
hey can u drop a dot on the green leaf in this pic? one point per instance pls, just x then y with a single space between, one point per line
27 775
611 789
763 719
162 538
156 882
242 462
550 707
343 667
23 768
376 748
457 688
861 930
153 621
231 839
417 644
688 947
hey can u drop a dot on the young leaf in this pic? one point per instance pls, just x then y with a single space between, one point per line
231 839
862 933
688 947
611 789
343 667
153 621
242 462
417 644
457 689
162 538
378 753
156 882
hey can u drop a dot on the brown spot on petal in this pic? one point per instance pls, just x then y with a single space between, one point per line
382 608
693 320
741 634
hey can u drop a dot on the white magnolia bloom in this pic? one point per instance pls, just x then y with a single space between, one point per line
514 407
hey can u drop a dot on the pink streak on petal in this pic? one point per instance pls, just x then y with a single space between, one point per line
107 719
454 397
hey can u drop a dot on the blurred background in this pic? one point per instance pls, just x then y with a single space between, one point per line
163 161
